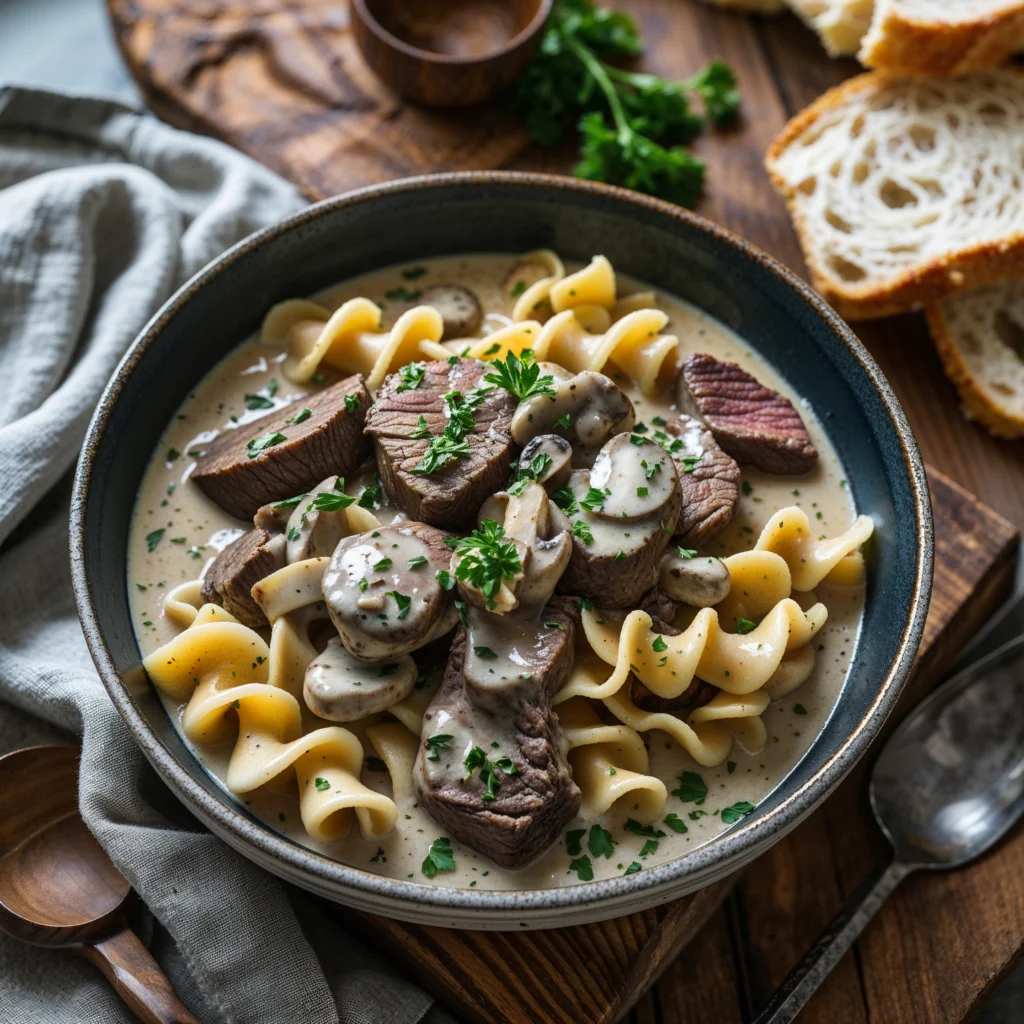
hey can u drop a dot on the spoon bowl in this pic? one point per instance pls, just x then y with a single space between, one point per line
950 781
58 887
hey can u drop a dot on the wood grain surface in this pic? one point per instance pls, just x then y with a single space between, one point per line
280 80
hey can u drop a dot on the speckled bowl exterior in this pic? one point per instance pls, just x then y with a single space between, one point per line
504 212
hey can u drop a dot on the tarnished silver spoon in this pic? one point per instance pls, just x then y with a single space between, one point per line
948 784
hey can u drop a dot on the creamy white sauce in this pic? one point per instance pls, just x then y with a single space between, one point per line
194 530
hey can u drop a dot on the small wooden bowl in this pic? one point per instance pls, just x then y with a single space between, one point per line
448 53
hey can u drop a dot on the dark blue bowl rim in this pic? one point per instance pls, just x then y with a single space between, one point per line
710 862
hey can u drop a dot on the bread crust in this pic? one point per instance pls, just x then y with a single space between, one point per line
909 46
911 288
979 403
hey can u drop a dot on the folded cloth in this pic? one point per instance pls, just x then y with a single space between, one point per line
103 213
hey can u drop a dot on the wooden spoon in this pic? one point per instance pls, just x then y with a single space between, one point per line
58 887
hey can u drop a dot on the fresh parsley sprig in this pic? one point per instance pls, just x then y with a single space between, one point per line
478 759
520 377
485 558
651 116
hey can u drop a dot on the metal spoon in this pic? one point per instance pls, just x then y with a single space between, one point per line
947 786
58 887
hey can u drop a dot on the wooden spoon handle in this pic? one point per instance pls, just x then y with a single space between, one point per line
137 978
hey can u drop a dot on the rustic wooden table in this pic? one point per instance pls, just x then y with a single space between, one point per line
281 81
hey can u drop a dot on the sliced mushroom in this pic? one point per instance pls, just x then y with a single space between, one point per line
615 558
595 405
273 518
636 476
700 581
459 307
558 452
382 592
343 688
543 557
313 532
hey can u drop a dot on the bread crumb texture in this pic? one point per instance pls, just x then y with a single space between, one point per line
980 338
903 191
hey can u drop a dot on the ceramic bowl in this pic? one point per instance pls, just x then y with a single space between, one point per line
492 211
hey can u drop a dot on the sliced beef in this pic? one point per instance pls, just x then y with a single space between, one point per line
532 806
459 307
756 426
330 440
237 568
662 610
710 480
451 496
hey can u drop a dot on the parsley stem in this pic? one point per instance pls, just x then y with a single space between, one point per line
599 71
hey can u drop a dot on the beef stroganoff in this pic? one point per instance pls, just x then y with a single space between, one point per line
496 573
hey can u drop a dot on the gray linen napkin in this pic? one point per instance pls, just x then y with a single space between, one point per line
103 213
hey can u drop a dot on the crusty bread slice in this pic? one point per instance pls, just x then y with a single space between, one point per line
940 37
841 24
903 191
980 338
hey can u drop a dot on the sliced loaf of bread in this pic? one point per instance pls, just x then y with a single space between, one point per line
937 37
841 24
980 338
903 191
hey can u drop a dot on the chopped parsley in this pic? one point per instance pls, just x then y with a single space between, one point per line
748 487
300 417
421 431
633 868
520 377
563 421
403 601
413 272
517 289
258 445
451 443
382 564
692 788
254 402
594 500
566 501
583 868
687 552
375 764
647 831
444 578
372 495
676 823
484 652
330 501
402 294
378 857
322 784
573 839
152 539
439 857
485 558
799 709
619 556
415 563
600 842
412 376
744 626
651 846
289 502
581 530
659 644
538 467
435 744
476 759
733 813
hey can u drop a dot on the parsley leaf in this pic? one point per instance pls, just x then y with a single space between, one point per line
403 601
485 558
330 501
300 417
733 813
435 744
258 402
258 445
477 759
633 868
676 823
692 788
648 831
581 530
573 838
583 868
352 403
412 376
744 625
600 842
152 539
439 857
520 378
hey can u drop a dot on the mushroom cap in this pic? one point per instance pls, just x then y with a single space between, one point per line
459 307
596 406
342 688
637 476
700 581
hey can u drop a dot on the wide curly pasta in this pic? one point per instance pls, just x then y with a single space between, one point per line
609 763
812 559
350 339
221 669
634 344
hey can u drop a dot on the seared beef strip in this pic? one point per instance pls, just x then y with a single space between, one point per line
532 806
711 484
756 426
230 578
451 496
330 440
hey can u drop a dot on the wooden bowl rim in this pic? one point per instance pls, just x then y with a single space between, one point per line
360 10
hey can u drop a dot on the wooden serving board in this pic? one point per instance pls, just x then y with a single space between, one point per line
282 81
